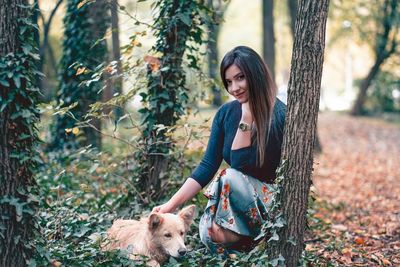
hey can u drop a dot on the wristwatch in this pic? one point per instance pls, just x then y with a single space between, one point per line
244 127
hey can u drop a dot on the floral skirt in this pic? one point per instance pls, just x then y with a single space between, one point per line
237 202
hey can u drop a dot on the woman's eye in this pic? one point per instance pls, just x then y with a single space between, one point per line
240 78
228 82
168 235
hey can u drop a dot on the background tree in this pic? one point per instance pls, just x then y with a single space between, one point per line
300 129
292 6
387 24
84 48
218 8
115 83
18 135
269 35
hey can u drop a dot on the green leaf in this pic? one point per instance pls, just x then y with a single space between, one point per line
185 18
5 83
274 237
17 81
26 48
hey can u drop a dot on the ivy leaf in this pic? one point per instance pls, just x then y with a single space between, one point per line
26 48
5 83
17 81
274 237
185 19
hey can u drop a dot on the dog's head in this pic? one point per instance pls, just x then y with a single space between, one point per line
168 230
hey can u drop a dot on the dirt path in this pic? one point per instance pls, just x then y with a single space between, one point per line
358 175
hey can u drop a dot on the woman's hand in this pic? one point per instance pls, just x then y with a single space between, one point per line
164 208
246 113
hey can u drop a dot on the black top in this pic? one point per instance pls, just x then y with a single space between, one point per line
223 131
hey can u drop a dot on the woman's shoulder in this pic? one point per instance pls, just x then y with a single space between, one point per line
228 111
228 107
280 106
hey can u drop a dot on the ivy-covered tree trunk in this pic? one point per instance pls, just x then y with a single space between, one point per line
300 128
84 50
269 35
18 135
166 96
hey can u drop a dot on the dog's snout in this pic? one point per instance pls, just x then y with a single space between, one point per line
182 252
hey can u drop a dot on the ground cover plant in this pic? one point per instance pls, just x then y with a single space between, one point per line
355 226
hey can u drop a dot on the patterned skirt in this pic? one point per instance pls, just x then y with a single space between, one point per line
237 202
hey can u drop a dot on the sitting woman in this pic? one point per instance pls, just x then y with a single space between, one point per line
247 133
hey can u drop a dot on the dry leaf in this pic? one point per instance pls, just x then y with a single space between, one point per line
359 240
80 71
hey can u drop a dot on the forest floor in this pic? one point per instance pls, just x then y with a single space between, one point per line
357 185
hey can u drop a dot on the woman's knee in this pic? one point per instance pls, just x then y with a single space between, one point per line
228 176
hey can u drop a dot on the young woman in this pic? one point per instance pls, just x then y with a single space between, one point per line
247 133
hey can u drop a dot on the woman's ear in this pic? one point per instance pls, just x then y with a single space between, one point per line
187 214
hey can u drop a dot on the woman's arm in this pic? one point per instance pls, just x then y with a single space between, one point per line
187 191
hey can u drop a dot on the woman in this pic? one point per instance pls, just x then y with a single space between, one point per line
247 133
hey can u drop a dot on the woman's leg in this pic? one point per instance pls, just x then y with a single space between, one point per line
221 235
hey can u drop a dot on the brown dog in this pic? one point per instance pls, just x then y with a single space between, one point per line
158 236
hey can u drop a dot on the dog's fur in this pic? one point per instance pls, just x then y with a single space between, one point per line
158 236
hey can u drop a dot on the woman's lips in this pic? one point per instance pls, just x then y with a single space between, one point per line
240 95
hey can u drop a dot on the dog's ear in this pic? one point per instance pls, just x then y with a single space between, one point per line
155 220
187 214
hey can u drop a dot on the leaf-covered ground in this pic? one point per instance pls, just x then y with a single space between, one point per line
357 183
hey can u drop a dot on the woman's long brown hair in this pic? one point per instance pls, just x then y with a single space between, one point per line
262 92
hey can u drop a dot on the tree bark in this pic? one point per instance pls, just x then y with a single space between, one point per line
269 35
300 127
213 50
292 8
17 136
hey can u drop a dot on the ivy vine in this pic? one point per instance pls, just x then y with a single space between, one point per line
178 28
19 96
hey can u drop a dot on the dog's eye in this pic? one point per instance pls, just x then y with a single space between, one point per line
181 233
168 235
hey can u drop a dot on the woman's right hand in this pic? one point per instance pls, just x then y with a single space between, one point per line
164 208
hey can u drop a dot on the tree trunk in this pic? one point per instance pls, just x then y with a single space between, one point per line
292 7
83 44
18 113
386 45
169 82
300 127
117 83
269 35
362 93
213 54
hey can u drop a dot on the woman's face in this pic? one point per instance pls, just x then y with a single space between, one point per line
237 83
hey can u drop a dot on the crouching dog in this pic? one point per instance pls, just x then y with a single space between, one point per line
158 236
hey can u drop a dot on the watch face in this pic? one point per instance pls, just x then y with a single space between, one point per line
243 126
